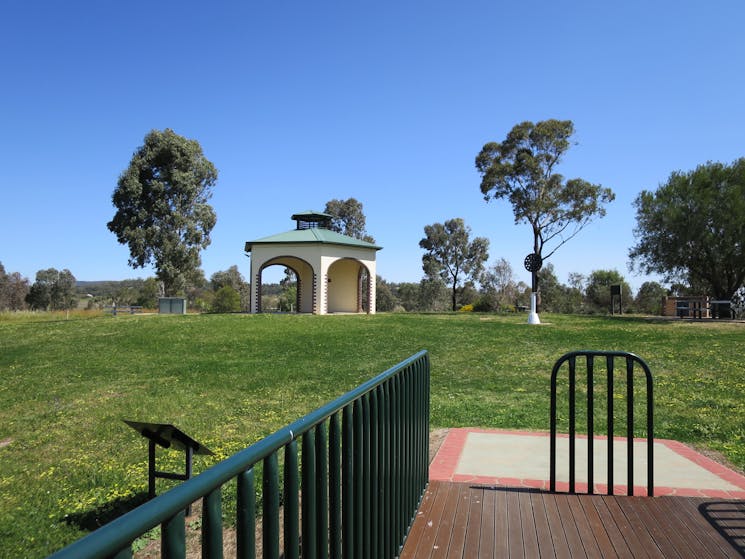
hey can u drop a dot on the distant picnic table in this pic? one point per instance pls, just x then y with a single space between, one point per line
131 309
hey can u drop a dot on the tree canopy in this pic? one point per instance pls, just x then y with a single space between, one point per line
162 210
598 294
231 277
348 218
649 298
13 290
52 290
451 255
692 228
521 170
501 290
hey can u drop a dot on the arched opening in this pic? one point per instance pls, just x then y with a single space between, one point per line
348 287
279 289
295 292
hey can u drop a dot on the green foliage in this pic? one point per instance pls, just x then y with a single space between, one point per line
234 279
557 297
500 290
149 292
13 290
407 294
521 170
649 298
229 380
162 211
385 300
52 290
230 277
451 255
348 218
692 228
287 301
597 293
226 299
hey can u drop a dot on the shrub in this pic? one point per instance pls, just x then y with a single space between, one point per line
227 299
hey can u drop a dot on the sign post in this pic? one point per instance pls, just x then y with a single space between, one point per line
167 436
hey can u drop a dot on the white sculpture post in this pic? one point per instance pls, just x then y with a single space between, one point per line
533 263
533 316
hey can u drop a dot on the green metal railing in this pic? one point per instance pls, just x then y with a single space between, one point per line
364 469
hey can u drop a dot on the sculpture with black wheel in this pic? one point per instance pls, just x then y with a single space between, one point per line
533 263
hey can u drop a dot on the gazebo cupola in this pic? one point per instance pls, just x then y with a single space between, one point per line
312 220
335 273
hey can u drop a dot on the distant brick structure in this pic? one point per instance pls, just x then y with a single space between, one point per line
687 307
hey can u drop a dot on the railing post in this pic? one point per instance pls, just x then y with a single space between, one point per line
610 366
347 492
374 475
366 479
270 517
246 516
650 431
322 494
630 424
335 503
173 537
359 510
385 470
291 515
212 525
572 422
590 426
310 531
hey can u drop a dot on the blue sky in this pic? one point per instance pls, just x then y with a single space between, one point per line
297 103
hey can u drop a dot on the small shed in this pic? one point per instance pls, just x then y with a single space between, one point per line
335 273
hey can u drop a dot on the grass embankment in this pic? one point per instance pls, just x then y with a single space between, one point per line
228 380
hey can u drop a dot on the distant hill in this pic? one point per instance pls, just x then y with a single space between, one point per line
106 288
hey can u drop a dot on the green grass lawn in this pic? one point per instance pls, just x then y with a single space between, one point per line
228 380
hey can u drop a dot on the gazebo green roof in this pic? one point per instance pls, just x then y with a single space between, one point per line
311 215
312 235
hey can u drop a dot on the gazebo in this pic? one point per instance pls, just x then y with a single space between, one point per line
335 273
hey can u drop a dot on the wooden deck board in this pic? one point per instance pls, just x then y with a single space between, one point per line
488 524
468 521
619 543
558 537
542 528
473 531
597 529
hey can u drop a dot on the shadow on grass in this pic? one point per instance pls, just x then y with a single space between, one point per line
95 518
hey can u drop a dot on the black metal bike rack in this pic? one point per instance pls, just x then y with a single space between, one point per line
629 360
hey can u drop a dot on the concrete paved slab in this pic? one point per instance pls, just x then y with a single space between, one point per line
522 459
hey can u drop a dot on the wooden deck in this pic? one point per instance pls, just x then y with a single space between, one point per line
466 521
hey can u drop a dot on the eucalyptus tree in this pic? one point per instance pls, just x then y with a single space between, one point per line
162 211
692 229
348 218
452 256
522 170
52 290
